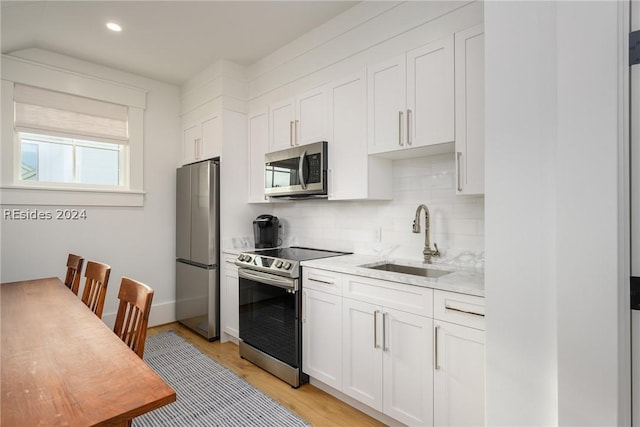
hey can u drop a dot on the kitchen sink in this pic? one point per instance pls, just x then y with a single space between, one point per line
406 269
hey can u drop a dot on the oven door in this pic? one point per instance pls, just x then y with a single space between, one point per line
269 315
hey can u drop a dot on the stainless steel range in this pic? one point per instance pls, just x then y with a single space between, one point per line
270 309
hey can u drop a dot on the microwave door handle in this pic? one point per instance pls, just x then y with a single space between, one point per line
301 170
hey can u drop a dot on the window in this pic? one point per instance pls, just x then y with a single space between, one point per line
52 159
70 140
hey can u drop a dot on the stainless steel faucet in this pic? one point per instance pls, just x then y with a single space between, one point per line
427 252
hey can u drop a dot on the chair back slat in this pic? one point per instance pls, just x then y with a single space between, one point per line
132 318
74 272
95 287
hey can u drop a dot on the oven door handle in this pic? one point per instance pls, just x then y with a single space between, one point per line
269 279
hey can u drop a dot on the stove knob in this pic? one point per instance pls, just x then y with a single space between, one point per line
247 258
241 257
287 265
278 264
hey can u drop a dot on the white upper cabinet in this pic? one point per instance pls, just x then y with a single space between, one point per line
258 140
386 105
430 94
469 80
411 99
191 137
298 121
352 173
311 116
282 116
211 136
202 139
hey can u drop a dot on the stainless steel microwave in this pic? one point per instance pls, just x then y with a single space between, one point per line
297 172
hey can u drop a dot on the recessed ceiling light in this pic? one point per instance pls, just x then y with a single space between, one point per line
114 27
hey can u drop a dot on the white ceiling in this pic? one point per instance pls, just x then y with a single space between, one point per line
169 41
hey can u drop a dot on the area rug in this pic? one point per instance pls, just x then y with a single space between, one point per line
208 394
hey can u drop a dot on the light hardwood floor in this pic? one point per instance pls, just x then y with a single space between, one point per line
314 405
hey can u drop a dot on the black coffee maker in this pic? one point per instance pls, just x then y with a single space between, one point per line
265 231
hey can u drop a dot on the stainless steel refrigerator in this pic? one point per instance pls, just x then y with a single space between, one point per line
197 248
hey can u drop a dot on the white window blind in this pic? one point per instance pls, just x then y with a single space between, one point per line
44 111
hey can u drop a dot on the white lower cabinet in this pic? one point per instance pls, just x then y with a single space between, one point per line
361 352
387 361
412 353
322 346
458 375
322 326
459 359
229 318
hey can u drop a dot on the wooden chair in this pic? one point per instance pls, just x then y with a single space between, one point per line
133 314
95 287
74 269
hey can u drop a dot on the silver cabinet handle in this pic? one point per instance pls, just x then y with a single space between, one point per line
295 132
330 179
458 154
375 329
385 347
326 282
303 314
291 133
198 148
301 170
409 133
459 310
400 113
435 346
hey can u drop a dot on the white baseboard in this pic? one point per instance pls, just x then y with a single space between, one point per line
354 403
161 314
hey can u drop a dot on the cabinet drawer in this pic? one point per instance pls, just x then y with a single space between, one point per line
408 298
462 309
322 280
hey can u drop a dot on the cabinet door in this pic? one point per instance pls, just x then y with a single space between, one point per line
469 80
386 101
191 137
362 352
348 159
311 117
458 375
322 337
258 135
408 367
430 94
229 300
211 145
282 116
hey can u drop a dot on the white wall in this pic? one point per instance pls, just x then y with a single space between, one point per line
136 242
555 350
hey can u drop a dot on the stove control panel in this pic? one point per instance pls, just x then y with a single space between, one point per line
268 264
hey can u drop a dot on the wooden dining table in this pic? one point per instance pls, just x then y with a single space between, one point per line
61 365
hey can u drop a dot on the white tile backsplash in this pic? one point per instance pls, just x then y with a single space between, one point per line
384 227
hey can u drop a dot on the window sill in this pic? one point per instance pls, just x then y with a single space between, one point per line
23 195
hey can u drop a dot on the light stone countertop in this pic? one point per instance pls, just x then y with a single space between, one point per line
462 280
